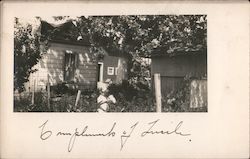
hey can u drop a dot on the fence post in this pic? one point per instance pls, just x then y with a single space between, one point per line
157 82
33 93
78 97
48 90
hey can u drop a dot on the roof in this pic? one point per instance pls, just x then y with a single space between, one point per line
65 33
166 51
68 33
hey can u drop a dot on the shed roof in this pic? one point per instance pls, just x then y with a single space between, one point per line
166 51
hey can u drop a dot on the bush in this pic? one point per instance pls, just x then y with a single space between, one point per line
66 103
179 100
131 97
40 102
124 90
88 103
62 103
62 88
127 90
24 103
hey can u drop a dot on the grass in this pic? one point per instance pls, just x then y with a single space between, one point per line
129 99
87 103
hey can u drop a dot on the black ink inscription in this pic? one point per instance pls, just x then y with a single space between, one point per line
71 144
45 135
175 131
125 137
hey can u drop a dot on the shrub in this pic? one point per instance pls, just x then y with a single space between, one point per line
40 102
124 90
66 102
127 90
88 103
24 103
131 97
62 88
179 100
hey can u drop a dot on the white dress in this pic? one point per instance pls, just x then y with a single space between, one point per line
103 102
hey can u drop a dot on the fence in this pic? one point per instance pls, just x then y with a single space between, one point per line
198 90
198 93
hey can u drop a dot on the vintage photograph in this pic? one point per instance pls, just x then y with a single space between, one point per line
123 63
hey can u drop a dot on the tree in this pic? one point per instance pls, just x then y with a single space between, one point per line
141 36
27 52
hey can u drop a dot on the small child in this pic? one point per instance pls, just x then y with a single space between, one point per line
104 100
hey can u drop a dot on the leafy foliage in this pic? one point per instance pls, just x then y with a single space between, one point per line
136 97
62 88
140 36
179 99
27 52
142 33
23 104
129 98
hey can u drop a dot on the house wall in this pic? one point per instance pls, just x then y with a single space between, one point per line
174 69
52 64
118 63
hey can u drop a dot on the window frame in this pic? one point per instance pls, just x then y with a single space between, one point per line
68 64
112 71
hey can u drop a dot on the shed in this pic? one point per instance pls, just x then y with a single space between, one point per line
174 66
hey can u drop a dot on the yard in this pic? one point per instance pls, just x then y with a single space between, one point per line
129 99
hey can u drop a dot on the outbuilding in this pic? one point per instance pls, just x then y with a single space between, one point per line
174 66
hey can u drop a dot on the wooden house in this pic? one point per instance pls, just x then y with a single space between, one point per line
69 60
173 67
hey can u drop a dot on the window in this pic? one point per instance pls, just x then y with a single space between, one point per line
111 71
70 65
